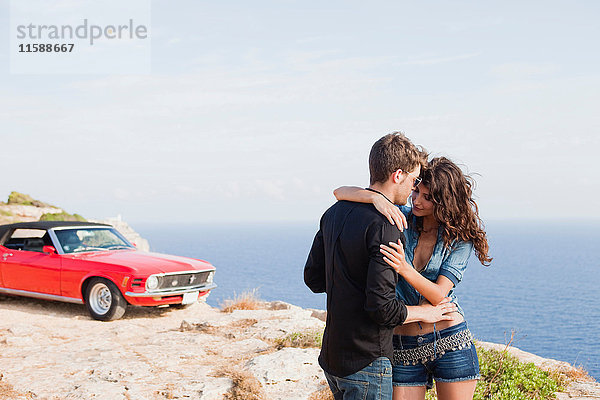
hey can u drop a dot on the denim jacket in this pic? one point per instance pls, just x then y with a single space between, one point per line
450 262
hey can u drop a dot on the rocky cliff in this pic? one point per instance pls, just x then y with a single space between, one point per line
22 208
51 350
55 351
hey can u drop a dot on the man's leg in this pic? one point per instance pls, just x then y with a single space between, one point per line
374 382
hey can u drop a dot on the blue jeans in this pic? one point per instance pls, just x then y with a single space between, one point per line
374 382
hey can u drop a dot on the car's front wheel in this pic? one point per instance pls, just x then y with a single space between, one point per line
104 301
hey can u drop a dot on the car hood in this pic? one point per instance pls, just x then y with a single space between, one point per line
145 262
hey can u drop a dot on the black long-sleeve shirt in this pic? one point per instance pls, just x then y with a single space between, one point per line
362 309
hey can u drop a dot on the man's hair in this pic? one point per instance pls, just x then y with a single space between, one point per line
392 152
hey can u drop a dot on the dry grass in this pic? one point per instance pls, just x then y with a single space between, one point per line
579 375
8 393
565 376
323 394
245 385
245 301
243 323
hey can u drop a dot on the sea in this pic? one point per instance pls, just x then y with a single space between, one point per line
541 288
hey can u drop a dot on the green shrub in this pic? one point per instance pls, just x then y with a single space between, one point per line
505 377
25 200
63 216
301 339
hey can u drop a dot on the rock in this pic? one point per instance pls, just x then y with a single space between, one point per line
199 327
24 330
127 231
280 380
213 388
278 305
319 314
185 326
208 388
22 213
239 349
15 198
296 321
584 390
52 353
19 341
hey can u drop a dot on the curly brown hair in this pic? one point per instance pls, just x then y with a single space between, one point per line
455 210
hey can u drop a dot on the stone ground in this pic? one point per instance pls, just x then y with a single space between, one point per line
54 351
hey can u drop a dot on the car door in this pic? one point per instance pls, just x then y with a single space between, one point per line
25 267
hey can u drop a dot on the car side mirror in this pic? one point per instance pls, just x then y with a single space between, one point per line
49 250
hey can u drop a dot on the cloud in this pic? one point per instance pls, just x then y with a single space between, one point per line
522 70
476 24
272 188
437 60
187 190
309 57
303 78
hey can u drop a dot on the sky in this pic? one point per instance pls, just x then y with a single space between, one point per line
256 111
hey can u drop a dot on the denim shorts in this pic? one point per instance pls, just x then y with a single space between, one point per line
457 365
374 382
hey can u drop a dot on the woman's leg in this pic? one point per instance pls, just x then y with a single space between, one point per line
463 390
409 393
456 371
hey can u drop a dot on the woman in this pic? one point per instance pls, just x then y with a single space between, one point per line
443 228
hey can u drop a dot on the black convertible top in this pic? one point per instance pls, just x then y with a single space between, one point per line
5 229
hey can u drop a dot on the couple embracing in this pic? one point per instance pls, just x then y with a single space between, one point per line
389 271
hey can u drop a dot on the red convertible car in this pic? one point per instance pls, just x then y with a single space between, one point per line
82 262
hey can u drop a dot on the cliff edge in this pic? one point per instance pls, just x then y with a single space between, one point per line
200 353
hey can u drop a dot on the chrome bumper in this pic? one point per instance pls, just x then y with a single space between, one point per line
173 292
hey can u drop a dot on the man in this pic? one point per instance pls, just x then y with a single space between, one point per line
345 262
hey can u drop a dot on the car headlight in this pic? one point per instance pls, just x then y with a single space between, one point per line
210 277
151 282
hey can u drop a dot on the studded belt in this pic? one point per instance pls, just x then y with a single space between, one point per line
431 351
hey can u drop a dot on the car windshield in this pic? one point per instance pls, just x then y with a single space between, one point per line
91 239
